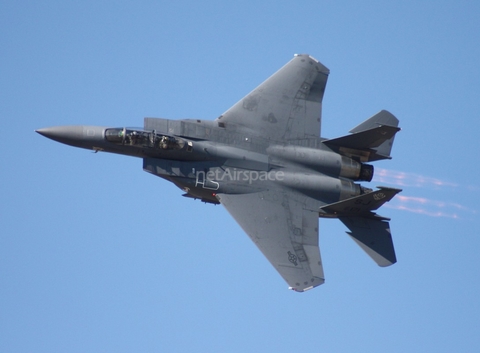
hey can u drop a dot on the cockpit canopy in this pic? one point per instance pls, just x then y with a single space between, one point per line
142 138
115 135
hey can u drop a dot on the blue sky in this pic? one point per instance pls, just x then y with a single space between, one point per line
97 255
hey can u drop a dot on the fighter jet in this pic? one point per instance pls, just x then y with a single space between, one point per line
265 162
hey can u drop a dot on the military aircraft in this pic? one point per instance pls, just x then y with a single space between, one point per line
265 162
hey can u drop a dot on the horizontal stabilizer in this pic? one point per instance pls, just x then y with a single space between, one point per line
372 140
383 117
369 230
365 139
374 237
362 205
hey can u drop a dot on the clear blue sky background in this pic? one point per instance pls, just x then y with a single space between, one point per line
98 256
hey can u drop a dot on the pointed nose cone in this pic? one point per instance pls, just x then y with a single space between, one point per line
70 135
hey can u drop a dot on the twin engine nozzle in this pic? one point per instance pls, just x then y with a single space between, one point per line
324 161
366 172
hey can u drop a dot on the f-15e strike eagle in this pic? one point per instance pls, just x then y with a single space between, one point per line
265 162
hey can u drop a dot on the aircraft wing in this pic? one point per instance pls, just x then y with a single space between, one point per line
286 106
284 231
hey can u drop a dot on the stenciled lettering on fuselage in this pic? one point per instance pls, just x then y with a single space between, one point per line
201 178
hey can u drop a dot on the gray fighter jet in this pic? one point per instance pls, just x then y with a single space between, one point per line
265 162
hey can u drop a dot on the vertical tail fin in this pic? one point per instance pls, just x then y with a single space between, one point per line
382 118
369 230
372 140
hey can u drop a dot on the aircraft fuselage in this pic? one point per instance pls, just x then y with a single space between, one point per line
203 161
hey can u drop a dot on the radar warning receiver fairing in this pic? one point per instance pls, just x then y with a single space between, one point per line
265 162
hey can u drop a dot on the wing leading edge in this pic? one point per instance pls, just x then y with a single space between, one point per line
284 231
